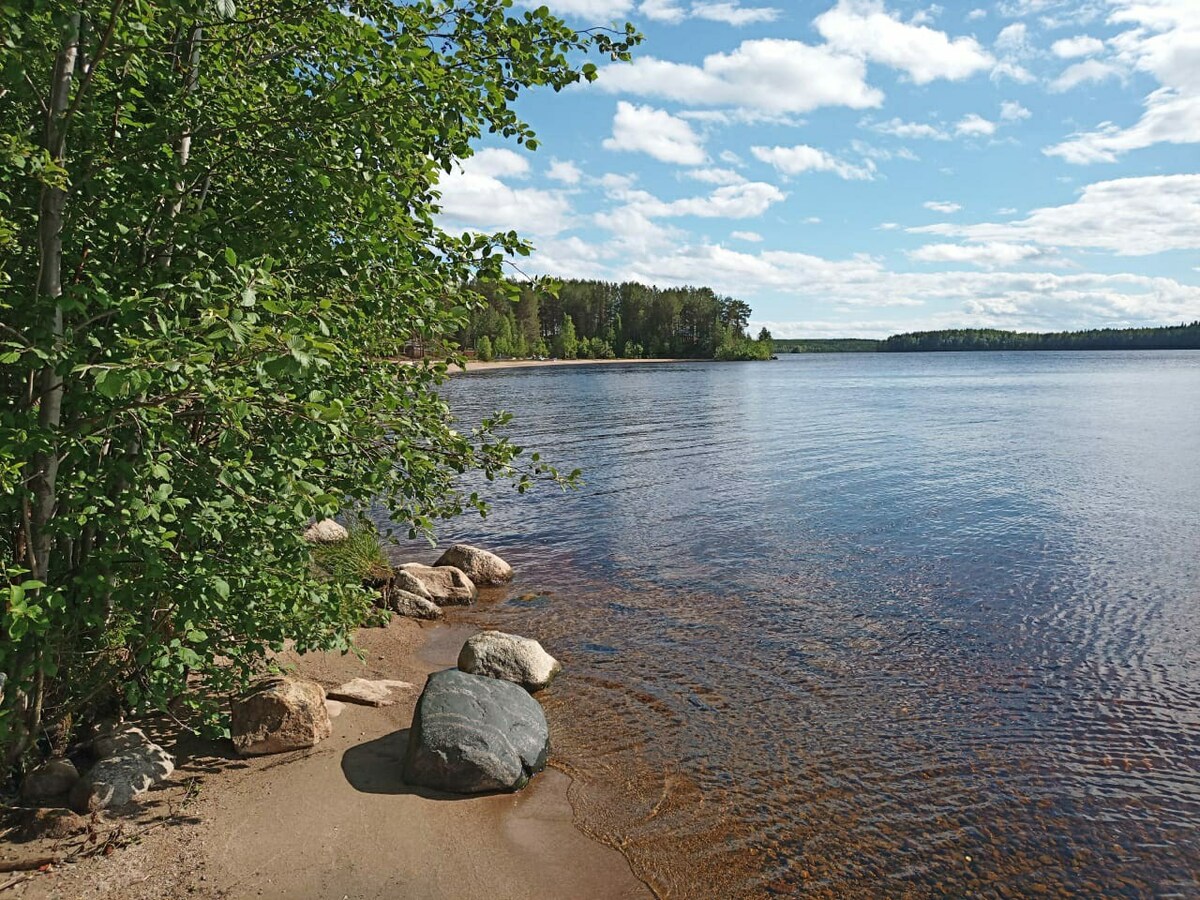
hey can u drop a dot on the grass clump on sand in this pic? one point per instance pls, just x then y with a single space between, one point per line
358 558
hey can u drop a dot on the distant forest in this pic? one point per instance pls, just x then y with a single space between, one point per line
602 320
826 345
1171 337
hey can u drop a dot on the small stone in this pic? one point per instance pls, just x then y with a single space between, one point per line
278 715
51 779
481 566
509 657
410 605
368 693
327 531
335 708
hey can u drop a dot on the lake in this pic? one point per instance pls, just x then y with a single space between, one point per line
854 625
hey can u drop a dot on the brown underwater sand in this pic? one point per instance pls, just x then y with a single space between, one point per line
337 821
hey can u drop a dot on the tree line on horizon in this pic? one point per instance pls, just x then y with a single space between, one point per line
586 319
1168 337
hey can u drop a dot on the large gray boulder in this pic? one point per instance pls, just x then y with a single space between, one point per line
278 715
409 584
53 778
472 735
410 605
480 566
120 779
510 657
446 585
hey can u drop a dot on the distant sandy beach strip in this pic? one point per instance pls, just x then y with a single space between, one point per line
480 366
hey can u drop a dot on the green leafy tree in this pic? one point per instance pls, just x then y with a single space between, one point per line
566 345
484 349
217 225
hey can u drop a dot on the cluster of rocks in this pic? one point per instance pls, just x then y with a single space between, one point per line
475 729
125 764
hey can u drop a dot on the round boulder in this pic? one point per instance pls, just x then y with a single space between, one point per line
51 779
326 531
480 566
474 735
118 780
509 657
446 585
278 715
411 606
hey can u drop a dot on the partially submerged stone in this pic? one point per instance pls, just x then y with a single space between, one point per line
51 779
410 605
446 585
118 780
327 531
368 693
509 657
473 735
481 566
279 714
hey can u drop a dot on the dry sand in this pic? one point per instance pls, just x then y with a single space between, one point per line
479 366
337 821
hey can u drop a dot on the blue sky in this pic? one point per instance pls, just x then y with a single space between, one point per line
862 167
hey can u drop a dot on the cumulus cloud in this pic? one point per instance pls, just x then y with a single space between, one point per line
644 129
1163 40
974 125
752 237
734 14
865 28
771 75
1083 45
1012 111
946 207
803 158
476 196
1090 70
565 171
991 255
1126 216
716 175
910 130
595 10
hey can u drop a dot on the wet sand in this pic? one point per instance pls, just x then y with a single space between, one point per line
479 366
338 821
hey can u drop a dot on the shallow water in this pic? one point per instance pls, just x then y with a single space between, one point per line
863 625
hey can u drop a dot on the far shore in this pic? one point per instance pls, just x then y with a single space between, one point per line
476 365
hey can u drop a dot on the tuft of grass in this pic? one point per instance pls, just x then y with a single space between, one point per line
358 558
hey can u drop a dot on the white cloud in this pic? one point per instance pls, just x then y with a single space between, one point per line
595 10
732 201
1163 41
1083 45
889 226
1090 70
1127 216
974 125
663 11
1013 38
865 28
910 130
993 255
475 196
1012 111
976 14
716 175
644 129
771 75
942 206
565 171
751 236
734 14
1012 71
803 158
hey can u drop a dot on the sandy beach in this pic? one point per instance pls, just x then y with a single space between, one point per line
479 366
338 821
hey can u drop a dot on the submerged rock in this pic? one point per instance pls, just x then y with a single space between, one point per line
446 585
481 566
410 605
472 735
278 715
326 531
51 779
118 780
509 657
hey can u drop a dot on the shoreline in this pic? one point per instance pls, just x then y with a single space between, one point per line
351 827
476 366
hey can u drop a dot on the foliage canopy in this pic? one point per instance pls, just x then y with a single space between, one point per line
217 226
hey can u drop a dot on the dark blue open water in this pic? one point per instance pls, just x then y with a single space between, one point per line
869 625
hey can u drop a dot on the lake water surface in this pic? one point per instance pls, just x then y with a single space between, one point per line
859 625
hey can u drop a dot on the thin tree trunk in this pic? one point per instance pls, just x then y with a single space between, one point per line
183 149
